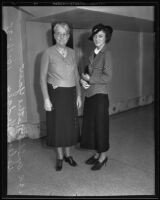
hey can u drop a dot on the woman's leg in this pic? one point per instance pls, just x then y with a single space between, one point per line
102 156
59 153
67 151
59 161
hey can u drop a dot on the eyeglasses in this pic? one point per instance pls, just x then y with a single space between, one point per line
62 34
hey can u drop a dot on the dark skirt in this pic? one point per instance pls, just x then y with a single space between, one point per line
95 126
62 122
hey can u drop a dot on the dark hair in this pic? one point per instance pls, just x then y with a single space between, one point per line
108 30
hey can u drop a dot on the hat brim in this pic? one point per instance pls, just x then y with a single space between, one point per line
104 28
94 33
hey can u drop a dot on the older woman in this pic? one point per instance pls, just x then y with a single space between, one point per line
95 128
62 95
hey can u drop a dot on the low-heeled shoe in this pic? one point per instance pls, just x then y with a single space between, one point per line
70 160
92 160
59 164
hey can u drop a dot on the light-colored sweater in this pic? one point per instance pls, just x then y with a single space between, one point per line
62 71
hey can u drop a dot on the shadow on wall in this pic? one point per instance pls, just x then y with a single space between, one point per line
37 88
84 48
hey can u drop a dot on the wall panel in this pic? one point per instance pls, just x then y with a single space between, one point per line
38 39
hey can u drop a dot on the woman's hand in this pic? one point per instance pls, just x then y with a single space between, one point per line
84 84
79 102
85 77
47 105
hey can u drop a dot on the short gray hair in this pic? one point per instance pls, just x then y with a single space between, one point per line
62 24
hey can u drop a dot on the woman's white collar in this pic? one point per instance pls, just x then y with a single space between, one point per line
96 51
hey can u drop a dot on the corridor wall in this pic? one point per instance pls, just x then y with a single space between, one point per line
132 83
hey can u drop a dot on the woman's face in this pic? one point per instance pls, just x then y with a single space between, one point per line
99 39
61 36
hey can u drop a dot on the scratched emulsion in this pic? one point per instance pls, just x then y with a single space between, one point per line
16 86
15 165
16 109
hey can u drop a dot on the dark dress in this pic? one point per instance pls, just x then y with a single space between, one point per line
95 127
62 121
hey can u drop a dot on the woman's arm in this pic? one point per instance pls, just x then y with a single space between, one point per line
77 78
43 75
43 82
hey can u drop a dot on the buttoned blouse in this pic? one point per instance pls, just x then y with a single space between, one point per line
100 71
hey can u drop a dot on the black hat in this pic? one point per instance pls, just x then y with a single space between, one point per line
107 29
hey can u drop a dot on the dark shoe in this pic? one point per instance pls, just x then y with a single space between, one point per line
70 160
59 164
98 164
92 160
